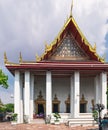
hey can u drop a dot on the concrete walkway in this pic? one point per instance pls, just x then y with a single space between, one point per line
8 126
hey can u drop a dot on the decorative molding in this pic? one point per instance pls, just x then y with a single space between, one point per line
84 103
69 50
40 100
57 102
67 103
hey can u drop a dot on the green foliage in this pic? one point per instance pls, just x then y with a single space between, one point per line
95 115
9 107
14 116
57 116
3 79
2 109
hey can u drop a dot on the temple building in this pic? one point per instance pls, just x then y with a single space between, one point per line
68 78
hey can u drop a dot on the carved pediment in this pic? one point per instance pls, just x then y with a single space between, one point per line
69 49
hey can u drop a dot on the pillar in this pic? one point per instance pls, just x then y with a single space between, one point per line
17 96
27 95
21 98
48 93
76 94
32 97
103 80
72 96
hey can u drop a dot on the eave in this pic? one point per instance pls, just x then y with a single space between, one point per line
59 66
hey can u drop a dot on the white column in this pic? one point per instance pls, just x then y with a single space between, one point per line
32 97
27 95
76 94
17 95
21 99
103 92
48 93
97 85
72 96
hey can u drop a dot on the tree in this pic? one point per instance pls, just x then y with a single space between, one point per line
3 79
2 107
9 107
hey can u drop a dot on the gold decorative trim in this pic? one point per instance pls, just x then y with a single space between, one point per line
56 101
67 103
83 101
38 58
68 100
40 100
94 47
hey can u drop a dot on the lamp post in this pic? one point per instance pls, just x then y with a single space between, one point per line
99 107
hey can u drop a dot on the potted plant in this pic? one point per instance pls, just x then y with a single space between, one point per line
57 117
14 118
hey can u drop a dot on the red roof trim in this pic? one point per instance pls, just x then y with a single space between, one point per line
60 66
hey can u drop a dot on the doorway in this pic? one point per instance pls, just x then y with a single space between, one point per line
40 109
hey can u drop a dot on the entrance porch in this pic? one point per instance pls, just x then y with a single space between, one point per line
68 93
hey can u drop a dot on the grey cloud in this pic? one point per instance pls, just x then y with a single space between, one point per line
26 25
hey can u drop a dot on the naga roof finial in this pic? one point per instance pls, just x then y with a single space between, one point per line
20 58
71 9
5 58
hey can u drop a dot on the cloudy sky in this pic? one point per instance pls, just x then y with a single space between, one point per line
26 25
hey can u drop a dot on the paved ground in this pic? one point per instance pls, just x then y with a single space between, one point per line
8 126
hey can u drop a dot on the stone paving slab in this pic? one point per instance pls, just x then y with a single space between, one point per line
9 126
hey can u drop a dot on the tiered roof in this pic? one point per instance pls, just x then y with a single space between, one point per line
70 49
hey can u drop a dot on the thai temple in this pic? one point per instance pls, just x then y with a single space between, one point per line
69 78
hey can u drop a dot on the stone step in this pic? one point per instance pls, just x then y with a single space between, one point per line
81 121
86 115
37 121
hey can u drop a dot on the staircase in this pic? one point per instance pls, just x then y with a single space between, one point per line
83 120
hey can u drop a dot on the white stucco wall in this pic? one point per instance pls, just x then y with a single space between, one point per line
40 85
61 87
87 88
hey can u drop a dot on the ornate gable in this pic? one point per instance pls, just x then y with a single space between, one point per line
69 50
74 48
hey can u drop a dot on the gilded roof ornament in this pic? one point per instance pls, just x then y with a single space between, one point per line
71 9
48 47
20 58
94 46
38 58
104 56
5 58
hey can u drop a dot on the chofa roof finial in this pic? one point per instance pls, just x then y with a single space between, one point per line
5 58
20 58
71 9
